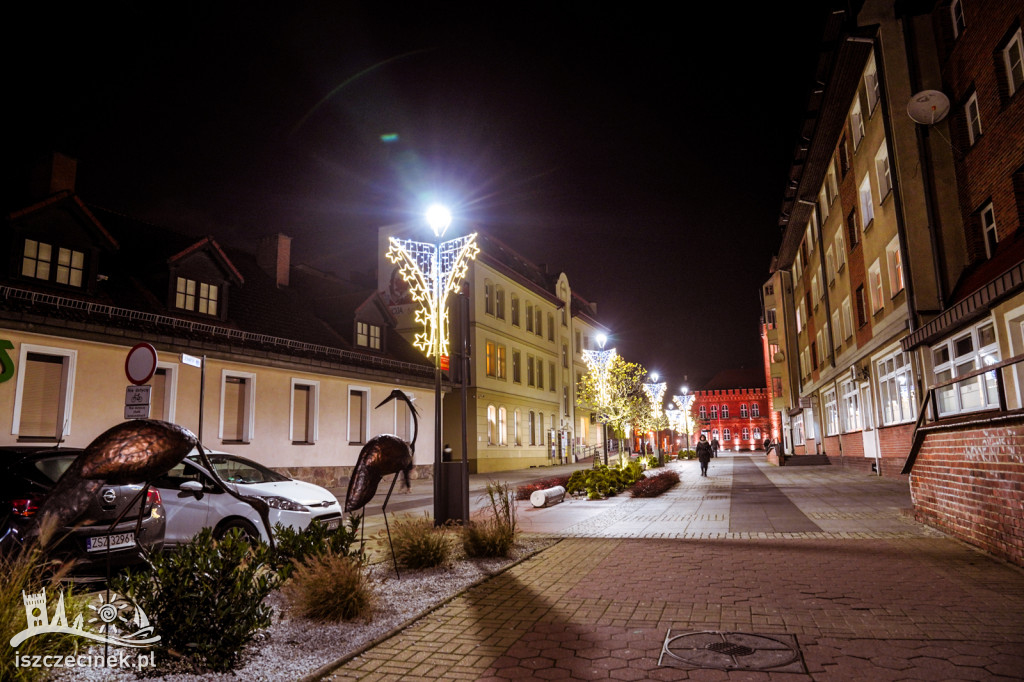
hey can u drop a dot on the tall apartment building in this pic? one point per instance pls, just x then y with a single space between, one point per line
527 330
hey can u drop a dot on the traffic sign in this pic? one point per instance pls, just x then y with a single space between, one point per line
137 395
191 360
136 411
140 365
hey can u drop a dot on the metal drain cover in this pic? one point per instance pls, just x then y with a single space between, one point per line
733 651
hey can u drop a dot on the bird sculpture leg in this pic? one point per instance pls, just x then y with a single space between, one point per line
384 510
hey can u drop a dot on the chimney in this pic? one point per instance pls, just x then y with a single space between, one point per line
53 173
274 256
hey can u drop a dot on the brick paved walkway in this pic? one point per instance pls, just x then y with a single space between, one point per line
869 595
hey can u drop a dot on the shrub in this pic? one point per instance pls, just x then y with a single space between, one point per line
206 598
27 569
603 482
330 587
293 547
417 543
524 491
494 534
652 486
687 454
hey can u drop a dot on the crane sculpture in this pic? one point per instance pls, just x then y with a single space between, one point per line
382 455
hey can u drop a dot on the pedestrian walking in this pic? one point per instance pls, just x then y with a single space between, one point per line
714 447
704 454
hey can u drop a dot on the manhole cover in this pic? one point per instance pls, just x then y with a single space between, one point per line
732 651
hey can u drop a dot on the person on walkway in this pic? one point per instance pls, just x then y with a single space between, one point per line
704 454
714 447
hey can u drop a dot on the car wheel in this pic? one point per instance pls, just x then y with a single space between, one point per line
248 530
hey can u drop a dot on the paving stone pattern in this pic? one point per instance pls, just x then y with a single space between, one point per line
867 593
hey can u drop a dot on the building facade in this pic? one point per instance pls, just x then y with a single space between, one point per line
735 410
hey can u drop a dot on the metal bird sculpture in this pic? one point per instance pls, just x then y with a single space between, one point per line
382 455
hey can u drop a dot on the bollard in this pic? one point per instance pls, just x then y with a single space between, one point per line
548 497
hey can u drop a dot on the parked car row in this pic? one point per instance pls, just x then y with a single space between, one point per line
176 507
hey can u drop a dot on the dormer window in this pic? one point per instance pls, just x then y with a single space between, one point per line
194 296
368 335
37 263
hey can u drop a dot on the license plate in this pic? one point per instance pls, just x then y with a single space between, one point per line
117 541
333 524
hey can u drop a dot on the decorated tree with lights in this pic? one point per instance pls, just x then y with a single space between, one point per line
617 398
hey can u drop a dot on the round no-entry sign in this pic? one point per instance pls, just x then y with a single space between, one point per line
140 364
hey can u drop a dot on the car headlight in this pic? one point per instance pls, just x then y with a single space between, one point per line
283 503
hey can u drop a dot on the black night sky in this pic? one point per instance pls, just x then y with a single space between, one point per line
640 148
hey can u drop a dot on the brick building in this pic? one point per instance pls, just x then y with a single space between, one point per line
734 408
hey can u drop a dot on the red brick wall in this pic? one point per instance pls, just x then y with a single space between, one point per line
969 482
895 441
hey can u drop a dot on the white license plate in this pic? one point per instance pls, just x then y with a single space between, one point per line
333 524
117 541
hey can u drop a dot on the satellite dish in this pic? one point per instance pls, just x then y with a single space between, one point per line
928 107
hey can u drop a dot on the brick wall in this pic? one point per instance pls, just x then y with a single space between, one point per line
969 482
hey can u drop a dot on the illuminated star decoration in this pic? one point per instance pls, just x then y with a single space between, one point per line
655 392
432 272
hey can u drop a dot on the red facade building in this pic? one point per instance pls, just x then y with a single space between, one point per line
734 407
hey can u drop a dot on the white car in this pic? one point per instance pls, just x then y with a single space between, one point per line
193 500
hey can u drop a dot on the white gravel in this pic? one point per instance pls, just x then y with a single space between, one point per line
294 648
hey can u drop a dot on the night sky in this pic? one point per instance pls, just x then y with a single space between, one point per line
643 150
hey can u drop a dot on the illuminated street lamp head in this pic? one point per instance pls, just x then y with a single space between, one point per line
601 340
439 218
654 377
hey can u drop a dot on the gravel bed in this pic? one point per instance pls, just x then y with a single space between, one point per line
294 648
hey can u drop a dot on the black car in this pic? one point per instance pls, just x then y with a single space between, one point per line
28 473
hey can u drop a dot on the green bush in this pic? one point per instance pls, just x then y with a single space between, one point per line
293 547
494 534
602 482
205 599
687 454
652 486
330 587
417 543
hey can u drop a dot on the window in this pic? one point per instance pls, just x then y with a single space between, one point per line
565 356
823 203
714 433
798 429
517 428
743 410
867 204
515 310
726 434
850 412
358 414
502 426
961 355
403 419
831 185
540 320
1013 62
237 406
725 411
368 335
188 295
857 123
837 335
565 400
956 12
862 308
551 375
745 433
816 352
830 266
499 302
532 426
501 362
488 298
69 267
883 172
551 327
800 315
517 358
703 412
847 318
815 290
776 387
530 380
490 359
540 374
44 393
36 262
755 410
988 229
896 389
714 411
851 228
810 231
831 413
529 317
756 434
303 414
895 262
769 318
973 119
844 158
840 250
492 419
798 268
164 392
875 285
871 88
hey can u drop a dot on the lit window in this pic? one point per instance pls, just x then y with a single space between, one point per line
501 362
850 406
703 412
857 123
896 389
1012 61
743 410
714 411
956 12
875 284
188 292
988 229
725 411
895 262
883 172
867 205
368 335
502 426
490 359
961 355
69 267
492 416
755 410
973 115
831 413
36 259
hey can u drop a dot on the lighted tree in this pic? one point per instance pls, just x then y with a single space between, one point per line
619 399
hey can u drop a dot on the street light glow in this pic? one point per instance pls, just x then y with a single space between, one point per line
439 218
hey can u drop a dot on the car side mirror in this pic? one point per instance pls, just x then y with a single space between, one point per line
194 487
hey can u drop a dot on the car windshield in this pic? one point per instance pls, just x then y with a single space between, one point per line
240 470
54 467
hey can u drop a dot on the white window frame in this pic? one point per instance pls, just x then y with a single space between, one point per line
714 411
1014 63
840 242
973 395
867 203
875 290
896 393
871 85
703 411
492 423
488 297
956 15
831 413
248 404
502 425
847 318
170 396
823 202
499 302
69 361
894 263
989 235
743 411
883 172
830 265
312 410
849 396
857 122
832 184
973 114
755 411
837 334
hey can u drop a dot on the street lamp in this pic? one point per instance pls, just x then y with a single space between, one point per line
600 362
433 271
655 392
683 402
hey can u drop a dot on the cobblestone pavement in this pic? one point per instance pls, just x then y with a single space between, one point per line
754 573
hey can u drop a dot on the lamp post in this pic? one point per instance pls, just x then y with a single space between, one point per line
675 419
600 362
433 271
655 392
683 402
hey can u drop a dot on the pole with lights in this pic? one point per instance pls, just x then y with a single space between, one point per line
655 392
433 271
683 402
600 363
